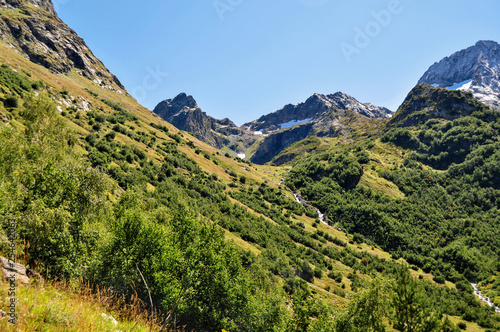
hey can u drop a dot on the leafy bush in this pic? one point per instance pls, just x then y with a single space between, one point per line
11 102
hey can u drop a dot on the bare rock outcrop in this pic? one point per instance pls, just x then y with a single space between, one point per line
33 29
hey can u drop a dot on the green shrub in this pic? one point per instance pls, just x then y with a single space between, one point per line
11 102
438 279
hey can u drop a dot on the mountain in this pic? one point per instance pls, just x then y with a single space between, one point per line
426 102
475 69
320 115
33 29
313 108
261 140
106 195
184 113
342 123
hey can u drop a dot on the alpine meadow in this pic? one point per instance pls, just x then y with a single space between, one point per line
328 215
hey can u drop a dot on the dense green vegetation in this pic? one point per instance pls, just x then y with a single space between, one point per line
109 214
448 223
70 226
438 227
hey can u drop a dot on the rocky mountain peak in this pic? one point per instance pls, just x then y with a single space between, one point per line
183 100
172 107
33 29
314 107
183 112
345 102
475 69
46 5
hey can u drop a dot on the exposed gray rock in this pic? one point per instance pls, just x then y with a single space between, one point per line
35 31
475 69
110 319
313 108
277 142
14 272
319 115
183 112
425 102
333 123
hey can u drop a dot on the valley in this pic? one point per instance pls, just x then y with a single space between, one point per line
341 216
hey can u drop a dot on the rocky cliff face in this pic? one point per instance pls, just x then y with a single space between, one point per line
333 123
319 115
272 145
33 29
475 69
313 108
425 102
183 112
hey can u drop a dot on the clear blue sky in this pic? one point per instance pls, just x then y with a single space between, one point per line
245 58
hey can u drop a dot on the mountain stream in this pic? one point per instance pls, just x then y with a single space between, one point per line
301 201
322 218
483 298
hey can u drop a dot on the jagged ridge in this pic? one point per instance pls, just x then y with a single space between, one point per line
475 69
33 29
318 115
313 108
184 113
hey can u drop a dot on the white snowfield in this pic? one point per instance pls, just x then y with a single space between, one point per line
293 123
475 69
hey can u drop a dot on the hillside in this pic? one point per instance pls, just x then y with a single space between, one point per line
102 190
261 141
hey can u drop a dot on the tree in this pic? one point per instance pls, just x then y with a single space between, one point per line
411 312
365 313
301 308
50 189
192 272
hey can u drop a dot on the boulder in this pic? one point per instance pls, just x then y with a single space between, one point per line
16 272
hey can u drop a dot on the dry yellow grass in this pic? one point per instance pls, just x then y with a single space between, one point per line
231 237
56 307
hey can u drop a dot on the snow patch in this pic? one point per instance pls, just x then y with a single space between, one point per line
293 123
435 85
241 155
257 132
461 86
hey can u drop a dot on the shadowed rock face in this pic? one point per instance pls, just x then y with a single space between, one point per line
183 112
34 30
275 143
313 108
319 115
425 102
323 115
475 69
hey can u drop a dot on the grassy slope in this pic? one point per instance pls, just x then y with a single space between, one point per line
55 307
43 299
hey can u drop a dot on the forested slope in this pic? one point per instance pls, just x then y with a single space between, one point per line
100 190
